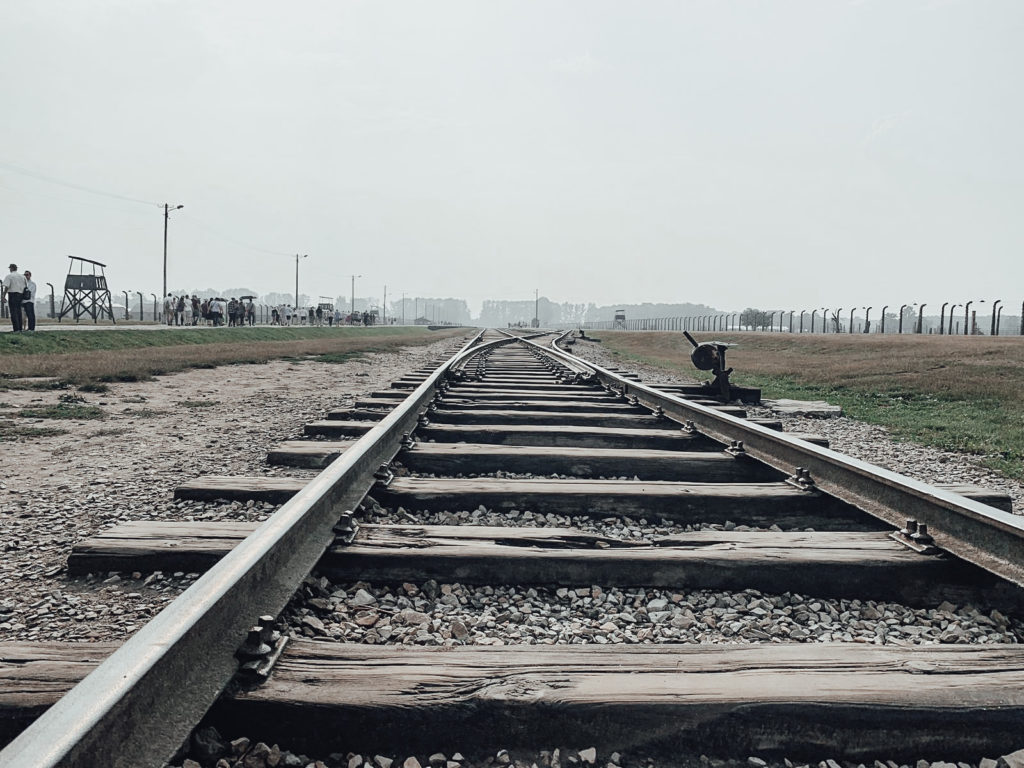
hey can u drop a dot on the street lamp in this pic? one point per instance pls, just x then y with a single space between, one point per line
995 325
920 318
942 318
852 310
824 319
814 313
867 319
53 306
126 317
802 313
167 215
142 315
352 310
951 310
902 309
154 306
297 257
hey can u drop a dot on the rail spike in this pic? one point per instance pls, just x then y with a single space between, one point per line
801 478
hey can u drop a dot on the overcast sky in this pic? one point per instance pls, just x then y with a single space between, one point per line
771 154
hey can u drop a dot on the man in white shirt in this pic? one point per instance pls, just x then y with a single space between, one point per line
14 283
28 301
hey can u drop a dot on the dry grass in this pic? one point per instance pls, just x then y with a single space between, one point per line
959 393
958 366
142 362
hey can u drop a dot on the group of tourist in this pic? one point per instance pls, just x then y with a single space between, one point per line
286 314
191 310
21 299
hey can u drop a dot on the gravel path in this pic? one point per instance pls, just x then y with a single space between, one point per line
63 488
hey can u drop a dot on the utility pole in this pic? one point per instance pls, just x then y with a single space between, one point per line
353 310
167 216
297 257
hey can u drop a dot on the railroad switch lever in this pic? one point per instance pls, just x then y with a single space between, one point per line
710 356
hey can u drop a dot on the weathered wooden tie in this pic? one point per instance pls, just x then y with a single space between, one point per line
312 454
337 428
555 435
823 564
482 415
711 465
801 700
757 504
574 406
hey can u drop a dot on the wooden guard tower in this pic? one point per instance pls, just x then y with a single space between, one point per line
86 294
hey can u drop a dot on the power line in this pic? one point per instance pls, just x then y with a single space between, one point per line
81 187
115 196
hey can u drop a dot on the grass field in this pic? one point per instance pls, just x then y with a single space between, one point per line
960 393
89 358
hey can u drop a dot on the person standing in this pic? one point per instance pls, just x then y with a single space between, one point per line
28 301
14 283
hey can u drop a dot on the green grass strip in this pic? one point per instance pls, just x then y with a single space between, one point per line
987 428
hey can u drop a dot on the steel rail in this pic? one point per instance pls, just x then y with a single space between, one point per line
137 707
975 532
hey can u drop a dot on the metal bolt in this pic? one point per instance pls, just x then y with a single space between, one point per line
253 647
922 536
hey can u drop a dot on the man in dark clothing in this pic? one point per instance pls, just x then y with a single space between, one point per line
28 301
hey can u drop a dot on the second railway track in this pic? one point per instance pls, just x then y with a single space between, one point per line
539 551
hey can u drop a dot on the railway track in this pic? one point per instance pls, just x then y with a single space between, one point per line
518 548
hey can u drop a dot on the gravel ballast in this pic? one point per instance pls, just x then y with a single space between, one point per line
63 488
451 614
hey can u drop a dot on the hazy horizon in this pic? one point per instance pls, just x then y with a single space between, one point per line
732 154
